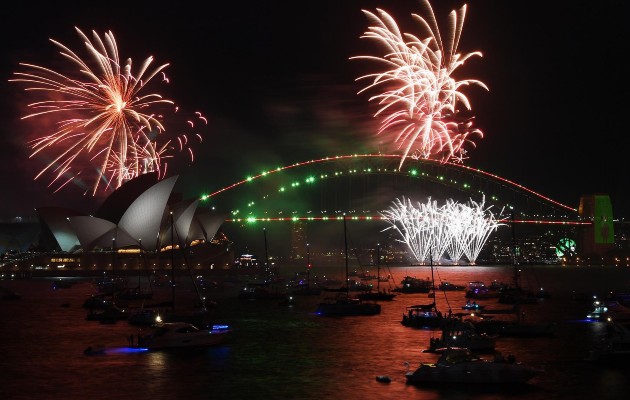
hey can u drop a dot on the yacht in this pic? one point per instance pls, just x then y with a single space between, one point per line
460 365
168 335
462 334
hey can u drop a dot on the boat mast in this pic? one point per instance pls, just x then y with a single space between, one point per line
517 289
267 267
308 267
378 267
172 265
432 278
114 280
345 239
514 255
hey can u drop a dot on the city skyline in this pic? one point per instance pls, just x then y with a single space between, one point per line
278 87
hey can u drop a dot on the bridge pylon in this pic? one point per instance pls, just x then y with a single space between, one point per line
598 238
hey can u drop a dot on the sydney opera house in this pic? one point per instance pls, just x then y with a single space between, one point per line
143 224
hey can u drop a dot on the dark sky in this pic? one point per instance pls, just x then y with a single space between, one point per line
275 81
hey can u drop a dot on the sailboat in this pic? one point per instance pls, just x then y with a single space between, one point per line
425 315
343 304
378 295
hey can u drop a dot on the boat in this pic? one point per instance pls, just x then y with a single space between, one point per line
305 290
168 335
377 295
479 290
461 334
472 306
425 315
97 301
411 284
143 316
461 366
518 328
343 304
260 291
447 286
599 312
135 293
107 315
513 295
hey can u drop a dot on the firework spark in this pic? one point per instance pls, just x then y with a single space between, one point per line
432 231
100 114
419 98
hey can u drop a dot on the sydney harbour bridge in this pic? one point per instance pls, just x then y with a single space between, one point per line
299 203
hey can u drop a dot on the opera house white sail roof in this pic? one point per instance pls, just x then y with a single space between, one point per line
146 220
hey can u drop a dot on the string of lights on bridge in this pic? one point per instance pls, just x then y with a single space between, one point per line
411 172
379 217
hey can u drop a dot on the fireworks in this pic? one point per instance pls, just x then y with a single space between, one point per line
102 118
453 229
419 98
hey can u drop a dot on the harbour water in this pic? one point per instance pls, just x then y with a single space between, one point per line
282 352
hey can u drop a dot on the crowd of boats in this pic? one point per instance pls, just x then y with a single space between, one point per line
460 337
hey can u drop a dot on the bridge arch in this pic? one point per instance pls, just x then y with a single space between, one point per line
367 183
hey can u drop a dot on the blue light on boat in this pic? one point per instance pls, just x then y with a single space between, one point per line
92 351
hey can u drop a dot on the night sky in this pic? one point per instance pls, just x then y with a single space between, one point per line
275 81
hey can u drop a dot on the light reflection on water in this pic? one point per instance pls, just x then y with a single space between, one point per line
279 352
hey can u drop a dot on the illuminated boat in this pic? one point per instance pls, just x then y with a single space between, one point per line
345 305
478 290
472 306
423 316
447 286
460 366
411 284
599 312
169 335
462 334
